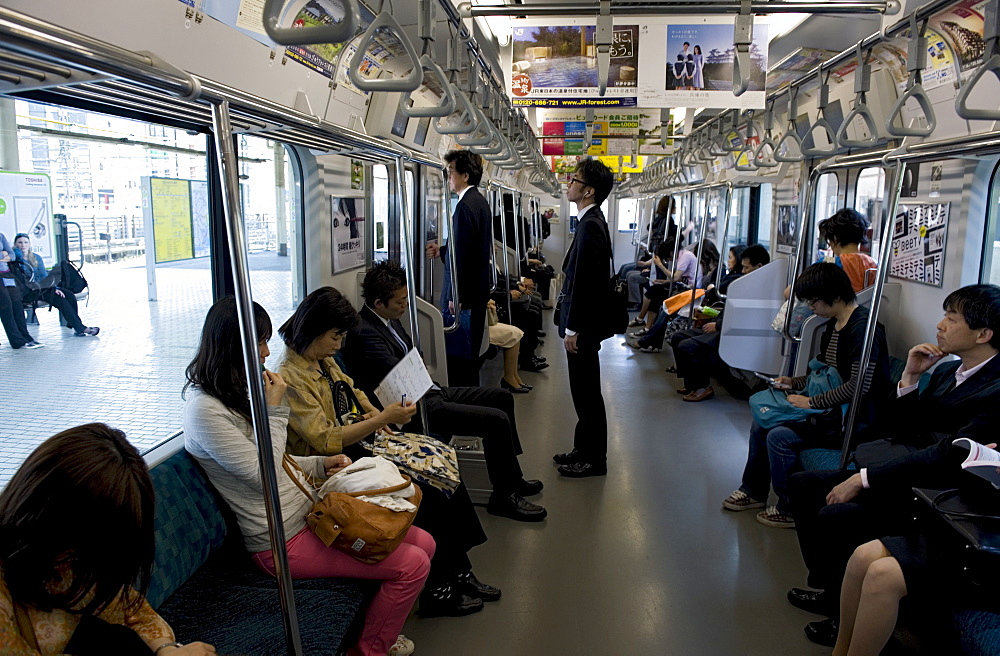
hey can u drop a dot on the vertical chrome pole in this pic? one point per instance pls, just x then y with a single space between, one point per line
406 236
805 211
503 247
724 251
229 174
522 258
677 241
491 200
702 238
885 257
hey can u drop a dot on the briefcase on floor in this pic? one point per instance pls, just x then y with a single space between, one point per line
472 467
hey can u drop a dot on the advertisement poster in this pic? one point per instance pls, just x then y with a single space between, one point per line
698 70
26 206
172 224
348 233
919 237
357 174
961 27
788 228
556 66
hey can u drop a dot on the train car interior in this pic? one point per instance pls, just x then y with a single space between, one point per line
804 226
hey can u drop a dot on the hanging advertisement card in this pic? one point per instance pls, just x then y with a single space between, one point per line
698 66
357 174
556 66
348 230
919 237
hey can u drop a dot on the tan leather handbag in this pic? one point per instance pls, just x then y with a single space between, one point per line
360 529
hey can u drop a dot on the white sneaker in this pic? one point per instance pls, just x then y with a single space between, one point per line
33 345
403 647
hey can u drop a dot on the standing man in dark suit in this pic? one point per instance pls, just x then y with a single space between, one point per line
380 341
472 243
837 511
584 319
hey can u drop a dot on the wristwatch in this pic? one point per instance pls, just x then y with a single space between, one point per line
167 644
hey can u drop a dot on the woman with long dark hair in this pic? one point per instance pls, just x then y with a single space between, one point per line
218 433
76 550
313 335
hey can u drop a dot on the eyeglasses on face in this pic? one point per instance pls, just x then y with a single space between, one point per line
583 183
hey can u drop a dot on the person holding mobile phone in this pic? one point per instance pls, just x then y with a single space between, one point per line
773 453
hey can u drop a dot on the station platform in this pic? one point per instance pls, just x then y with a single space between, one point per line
131 375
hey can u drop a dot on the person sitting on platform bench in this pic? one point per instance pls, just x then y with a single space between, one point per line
62 300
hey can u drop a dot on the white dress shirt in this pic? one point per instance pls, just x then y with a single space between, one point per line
961 375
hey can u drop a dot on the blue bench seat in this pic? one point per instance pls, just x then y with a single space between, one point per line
206 587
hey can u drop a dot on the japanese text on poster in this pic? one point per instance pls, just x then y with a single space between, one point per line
919 237
348 233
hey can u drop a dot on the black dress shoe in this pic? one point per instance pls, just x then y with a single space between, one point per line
513 390
823 632
446 601
567 458
539 358
581 469
528 488
513 506
534 366
540 333
473 587
820 602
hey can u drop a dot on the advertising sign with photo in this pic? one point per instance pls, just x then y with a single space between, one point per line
556 66
348 229
26 206
698 70
919 237
787 228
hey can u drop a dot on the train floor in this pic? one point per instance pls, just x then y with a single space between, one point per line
643 561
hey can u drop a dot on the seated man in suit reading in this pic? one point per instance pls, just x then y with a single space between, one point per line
837 511
380 341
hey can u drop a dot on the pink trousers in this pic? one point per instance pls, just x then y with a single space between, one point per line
402 574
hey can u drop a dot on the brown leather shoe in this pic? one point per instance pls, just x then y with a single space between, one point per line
699 395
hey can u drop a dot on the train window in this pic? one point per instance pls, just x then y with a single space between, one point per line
869 191
115 180
765 210
628 218
990 271
827 196
739 217
380 210
271 213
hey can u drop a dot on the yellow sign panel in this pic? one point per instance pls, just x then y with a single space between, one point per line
623 164
171 204
598 147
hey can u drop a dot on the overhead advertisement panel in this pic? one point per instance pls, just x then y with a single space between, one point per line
555 65
696 65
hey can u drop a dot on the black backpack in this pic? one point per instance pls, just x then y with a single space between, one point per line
72 280
30 290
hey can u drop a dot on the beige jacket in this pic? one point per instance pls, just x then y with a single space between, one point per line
312 426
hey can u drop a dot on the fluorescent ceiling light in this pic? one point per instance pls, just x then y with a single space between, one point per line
782 24
498 26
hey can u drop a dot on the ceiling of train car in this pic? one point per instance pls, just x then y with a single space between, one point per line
829 32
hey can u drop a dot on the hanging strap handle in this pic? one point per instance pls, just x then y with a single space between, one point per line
822 123
791 134
862 84
295 36
760 157
412 80
742 39
916 62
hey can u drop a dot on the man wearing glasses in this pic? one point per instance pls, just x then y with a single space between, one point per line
584 309
472 221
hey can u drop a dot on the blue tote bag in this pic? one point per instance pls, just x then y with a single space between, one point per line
771 407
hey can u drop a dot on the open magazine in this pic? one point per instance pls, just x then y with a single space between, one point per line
982 461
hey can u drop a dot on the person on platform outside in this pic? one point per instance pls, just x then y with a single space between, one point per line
12 302
472 222
60 299
584 320
380 341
